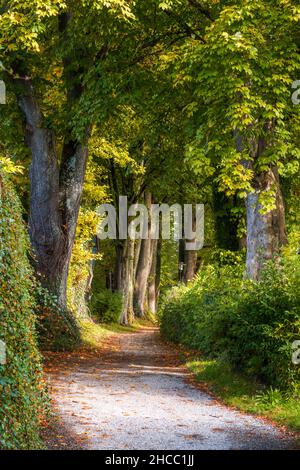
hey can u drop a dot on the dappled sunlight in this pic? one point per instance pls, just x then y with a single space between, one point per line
129 397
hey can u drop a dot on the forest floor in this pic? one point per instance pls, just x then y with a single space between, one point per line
135 393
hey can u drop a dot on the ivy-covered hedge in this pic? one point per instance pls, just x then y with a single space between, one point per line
22 387
250 325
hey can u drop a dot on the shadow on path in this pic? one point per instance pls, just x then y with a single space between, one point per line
135 394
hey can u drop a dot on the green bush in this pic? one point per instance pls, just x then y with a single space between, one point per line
250 325
22 386
106 306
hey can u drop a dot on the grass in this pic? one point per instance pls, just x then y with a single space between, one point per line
248 395
94 334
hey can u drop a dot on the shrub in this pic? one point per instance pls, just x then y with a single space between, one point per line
22 386
265 325
251 325
106 306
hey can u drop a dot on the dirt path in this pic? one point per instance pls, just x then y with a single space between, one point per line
137 395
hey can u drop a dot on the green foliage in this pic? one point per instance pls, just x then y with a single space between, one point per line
106 306
57 327
22 386
21 23
227 257
251 325
83 258
169 265
85 251
9 167
238 77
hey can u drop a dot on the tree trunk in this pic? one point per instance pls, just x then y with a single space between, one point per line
266 233
137 251
152 291
158 269
92 264
143 268
190 258
190 264
72 173
55 195
181 259
119 247
127 282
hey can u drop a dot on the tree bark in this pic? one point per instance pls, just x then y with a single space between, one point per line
181 259
190 265
143 268
127 282
90 278
152 290
158 269
189 257
71 180
119 248
266 232
55 195
137 251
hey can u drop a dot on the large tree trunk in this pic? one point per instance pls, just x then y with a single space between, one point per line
142 275
45 222
266 232
124 277
143 268
72 173
55 195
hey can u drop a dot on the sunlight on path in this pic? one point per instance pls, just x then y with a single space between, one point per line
138 396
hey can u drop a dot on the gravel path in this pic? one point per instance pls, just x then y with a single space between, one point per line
137 395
